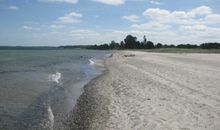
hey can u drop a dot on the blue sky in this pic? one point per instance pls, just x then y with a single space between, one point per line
74 22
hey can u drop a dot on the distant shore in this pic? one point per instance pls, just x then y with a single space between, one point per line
141 90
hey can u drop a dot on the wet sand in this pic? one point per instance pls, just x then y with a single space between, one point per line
152 91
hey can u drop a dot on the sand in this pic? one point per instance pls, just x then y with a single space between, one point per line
152 91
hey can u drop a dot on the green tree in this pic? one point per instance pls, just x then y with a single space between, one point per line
130 42
122 45
145 39
150 45
143 44
114 45
159 45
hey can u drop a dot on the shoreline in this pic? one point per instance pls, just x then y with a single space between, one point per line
87 104
141 90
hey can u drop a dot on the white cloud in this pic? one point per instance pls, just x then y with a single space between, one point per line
111 2
151 26
202 10
180 17
212 18
71 37
13 8
26 27
155 2
169 27
70 18
84 33
60 1
197 27
156 13
131 18
201 33
54 26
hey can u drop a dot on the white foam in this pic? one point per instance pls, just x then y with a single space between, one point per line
91 61
55 77
109 55
50 117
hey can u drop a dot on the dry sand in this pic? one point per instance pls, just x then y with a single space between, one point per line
153 91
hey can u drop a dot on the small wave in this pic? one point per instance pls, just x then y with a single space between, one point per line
109 55
55 77
15 71
91 61
50 117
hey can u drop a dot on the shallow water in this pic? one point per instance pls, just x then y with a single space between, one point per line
38 88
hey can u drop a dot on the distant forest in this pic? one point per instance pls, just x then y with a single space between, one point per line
131 42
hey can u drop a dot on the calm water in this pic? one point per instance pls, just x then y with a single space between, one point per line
38 88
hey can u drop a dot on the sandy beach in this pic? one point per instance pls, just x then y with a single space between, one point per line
152 91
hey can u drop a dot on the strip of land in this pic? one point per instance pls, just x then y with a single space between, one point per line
153 91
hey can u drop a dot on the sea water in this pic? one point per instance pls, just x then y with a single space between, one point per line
39 88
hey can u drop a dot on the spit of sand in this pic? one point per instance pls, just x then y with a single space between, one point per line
153 91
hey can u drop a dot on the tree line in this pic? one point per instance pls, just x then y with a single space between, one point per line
131 42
